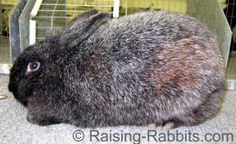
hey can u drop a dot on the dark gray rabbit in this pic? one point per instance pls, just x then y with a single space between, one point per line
145 68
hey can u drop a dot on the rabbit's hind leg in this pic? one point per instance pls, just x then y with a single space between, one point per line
205 111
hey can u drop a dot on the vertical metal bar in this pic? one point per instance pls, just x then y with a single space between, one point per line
52 16
36 7
169 5
116 8
163 5
32 23
174 6
126 7
180 7
32 32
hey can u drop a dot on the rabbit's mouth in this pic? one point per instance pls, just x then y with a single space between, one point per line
22 101
21 98
18 94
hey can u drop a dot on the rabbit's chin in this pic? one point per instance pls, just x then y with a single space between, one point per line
23 101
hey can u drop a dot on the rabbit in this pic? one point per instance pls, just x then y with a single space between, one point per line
152 67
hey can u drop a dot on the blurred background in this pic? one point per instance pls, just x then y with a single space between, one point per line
24 22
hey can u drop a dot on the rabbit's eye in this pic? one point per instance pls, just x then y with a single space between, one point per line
33 66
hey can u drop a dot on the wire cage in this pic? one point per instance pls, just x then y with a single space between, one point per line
56 13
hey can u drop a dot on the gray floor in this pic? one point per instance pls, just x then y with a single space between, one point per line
14 127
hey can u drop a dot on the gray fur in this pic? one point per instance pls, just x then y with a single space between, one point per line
149 67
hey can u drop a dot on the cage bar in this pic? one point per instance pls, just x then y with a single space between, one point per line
32 34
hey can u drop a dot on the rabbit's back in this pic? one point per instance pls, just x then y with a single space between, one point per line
143 34
159 65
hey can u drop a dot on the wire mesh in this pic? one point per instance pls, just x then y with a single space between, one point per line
56 13
132 6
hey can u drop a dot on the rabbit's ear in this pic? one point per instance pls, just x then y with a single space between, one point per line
75 21
82 30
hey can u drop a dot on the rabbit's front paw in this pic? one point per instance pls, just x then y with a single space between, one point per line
41 120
